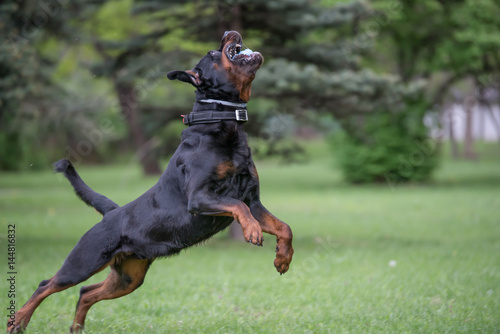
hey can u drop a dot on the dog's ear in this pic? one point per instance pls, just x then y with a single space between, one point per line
189 76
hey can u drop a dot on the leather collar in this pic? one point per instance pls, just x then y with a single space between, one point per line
214 111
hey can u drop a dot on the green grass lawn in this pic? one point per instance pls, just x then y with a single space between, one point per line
368 259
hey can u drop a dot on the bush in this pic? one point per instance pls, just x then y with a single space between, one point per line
390 148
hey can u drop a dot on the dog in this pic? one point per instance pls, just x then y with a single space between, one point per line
210 181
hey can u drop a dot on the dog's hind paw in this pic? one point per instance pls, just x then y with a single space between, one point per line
15 329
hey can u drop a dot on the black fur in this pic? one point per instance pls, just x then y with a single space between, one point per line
175 213
101 203
210 181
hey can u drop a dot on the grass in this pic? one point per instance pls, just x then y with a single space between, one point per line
368 259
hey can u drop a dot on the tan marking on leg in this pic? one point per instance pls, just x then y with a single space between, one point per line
126 275
250 226
272 225
24 314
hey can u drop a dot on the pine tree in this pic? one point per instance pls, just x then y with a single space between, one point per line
313 61
22 84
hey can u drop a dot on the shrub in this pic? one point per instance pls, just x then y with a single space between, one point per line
386 147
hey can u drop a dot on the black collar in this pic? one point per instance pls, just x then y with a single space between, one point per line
214 111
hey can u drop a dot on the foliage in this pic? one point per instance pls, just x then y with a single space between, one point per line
23 85
388 149
40 116
457 41
444 50
311 60
96 61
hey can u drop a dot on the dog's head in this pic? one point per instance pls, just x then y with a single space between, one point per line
224 74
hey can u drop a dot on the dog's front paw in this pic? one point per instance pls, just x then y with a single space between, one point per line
253 234
283 258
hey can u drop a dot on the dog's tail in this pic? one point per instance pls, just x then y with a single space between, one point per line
99 202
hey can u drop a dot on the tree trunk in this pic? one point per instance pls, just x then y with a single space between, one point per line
482 121
236 19
128 105
493 118
221 23
235 231
451 132
469 152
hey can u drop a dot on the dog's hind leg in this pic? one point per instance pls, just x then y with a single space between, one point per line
127 274
272 225
45 289
89 256
23 316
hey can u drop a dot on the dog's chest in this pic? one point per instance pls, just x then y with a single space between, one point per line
234 179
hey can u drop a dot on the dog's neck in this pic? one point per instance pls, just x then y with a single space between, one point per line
208 111
217 105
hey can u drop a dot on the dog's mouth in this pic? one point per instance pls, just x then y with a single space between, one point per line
231 46
240 64
235 54
233 50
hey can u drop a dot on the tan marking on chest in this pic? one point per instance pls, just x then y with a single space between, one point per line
224 169
241 82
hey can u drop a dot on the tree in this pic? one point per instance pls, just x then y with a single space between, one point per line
98 40
313 61
316 57
458 41
129 54
26 93
36 112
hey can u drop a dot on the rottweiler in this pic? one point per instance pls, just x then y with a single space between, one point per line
210 181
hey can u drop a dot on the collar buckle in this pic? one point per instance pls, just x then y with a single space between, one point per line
241 115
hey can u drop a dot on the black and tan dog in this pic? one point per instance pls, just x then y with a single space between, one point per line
210 181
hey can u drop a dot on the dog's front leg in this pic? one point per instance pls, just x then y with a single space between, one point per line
272 225
226 206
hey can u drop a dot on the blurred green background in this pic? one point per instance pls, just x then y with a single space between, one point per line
386 82
375 126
